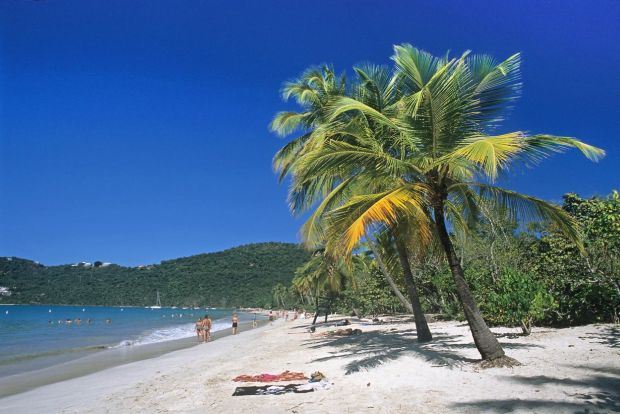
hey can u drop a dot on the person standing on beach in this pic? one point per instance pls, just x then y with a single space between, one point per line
235 323
207 328
254 321
200 330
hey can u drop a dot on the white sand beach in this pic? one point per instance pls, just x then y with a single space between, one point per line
382 370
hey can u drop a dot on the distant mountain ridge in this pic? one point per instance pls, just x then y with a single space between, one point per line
240 276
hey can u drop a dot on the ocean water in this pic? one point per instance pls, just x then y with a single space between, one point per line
36 337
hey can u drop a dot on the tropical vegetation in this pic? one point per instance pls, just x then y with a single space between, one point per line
241 276
409 155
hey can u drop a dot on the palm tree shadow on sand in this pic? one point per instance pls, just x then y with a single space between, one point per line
600 394
375 348
609 335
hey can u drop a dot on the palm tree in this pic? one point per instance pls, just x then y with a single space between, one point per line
315 92
325 276
279 293
380 255
432 157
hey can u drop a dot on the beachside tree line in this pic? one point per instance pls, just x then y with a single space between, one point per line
401 162
519 276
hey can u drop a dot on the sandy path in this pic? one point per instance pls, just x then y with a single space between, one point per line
381 371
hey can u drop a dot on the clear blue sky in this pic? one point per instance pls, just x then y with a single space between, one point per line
136 131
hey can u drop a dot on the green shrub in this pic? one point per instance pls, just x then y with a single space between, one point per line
516 299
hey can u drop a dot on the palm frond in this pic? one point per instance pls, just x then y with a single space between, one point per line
523 208
415 65
487 153
351 221
496 86
313 231
336 157
285 123
345 104
284 159
540 146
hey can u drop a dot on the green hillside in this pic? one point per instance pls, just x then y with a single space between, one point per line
241 276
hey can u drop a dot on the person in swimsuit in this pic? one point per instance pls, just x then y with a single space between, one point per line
200 330
207 328
235 322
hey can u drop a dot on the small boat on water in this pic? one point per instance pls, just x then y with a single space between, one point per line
158 305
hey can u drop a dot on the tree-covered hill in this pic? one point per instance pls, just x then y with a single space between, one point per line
241 276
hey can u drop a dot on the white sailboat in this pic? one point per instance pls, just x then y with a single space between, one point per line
158 305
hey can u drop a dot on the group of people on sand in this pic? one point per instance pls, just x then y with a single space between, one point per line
203 329
288 315
293 315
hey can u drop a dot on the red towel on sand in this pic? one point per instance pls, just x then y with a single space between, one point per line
285 376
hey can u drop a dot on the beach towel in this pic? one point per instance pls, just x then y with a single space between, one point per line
285 376
271 390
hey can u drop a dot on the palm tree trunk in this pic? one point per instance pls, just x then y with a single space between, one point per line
406 304
487 344
316 314
422 329
328 308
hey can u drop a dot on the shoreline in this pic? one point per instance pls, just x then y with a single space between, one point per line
102 359
108 306
382 370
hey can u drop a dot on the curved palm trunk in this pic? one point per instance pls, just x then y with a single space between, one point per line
487 344
422 329
316 315
406 304
328 308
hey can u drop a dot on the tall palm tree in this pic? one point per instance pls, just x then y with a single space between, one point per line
433 156
315 92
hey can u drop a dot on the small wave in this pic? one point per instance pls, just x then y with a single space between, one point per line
26 357
168 334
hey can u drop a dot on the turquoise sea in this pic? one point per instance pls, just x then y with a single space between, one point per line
37 337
